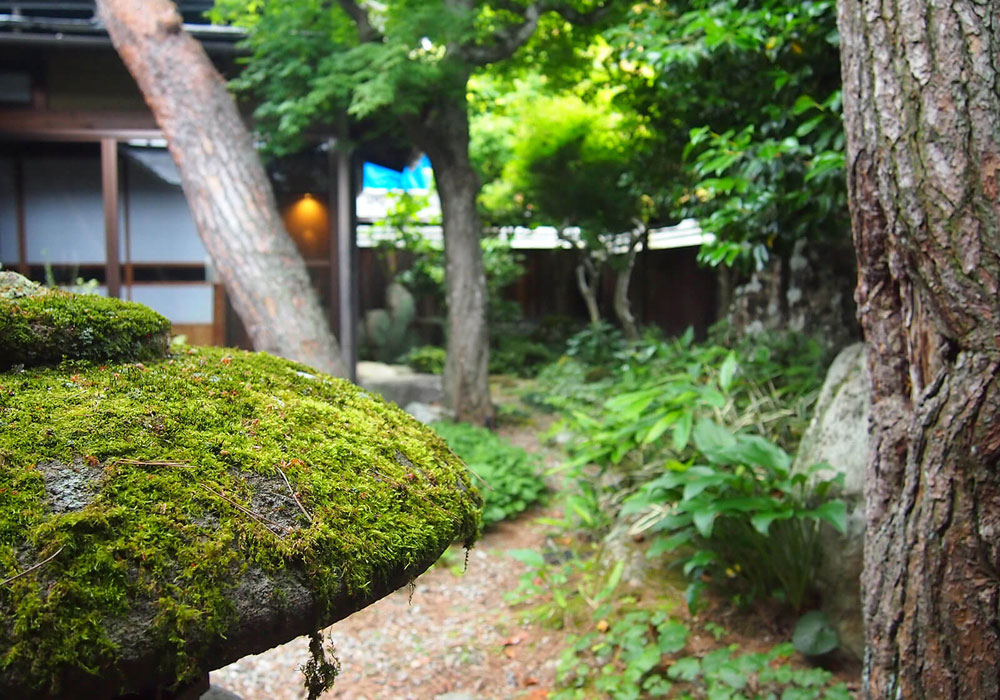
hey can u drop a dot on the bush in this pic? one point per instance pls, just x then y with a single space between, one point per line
517 355
510 474
745 523
426 358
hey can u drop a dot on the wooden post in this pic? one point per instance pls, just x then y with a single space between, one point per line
109 184
21 225
347 263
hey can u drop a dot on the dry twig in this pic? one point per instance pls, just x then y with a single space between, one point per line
292 491
259 518
39 565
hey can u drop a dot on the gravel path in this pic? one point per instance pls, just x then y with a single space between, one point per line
454 635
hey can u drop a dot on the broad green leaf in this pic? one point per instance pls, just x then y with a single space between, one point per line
682 430
728 371
704 520
814 635
686 669
713 440
762 521
672 636
753 449
662 545
833 512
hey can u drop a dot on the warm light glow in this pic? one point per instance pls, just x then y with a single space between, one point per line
308 220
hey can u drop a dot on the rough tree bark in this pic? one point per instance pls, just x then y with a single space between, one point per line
225 185
443 133
922 114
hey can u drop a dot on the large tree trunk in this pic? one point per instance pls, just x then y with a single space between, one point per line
922 114
444 135
226 187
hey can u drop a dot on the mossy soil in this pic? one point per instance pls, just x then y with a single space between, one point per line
155 487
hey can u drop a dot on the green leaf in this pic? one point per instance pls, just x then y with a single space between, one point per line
704 520
814 635
660 427
762 521
530 557
753 449
713 440
833 512
672 636
682 430
728 371
686 669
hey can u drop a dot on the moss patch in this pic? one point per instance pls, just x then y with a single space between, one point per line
41 326
161 488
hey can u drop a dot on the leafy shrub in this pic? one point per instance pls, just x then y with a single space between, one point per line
511 475
744 521
517 355
596 344
426 358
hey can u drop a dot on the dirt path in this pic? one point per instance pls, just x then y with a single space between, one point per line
454 635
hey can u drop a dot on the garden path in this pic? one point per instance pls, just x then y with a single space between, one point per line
452 637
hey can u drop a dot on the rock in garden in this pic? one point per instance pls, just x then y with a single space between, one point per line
838 435
164 513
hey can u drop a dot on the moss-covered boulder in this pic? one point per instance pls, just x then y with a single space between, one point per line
160 519
40 326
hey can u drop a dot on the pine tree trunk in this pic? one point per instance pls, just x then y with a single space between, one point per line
445 137
225 185
922 114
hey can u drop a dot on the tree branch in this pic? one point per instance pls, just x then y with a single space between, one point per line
366 32
509 39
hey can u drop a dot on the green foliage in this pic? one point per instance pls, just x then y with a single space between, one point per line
742 520
511 476
745 98
597 344
518 355
621 651
426 358
389 331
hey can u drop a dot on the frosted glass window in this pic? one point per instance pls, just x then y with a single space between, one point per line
64 210
161 229
180 303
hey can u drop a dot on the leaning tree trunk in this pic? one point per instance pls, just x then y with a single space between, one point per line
445 137
225 185
922 114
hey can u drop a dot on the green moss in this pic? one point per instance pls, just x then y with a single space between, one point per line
41 326
151 460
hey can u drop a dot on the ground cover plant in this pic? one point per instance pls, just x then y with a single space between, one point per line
689 444
509 477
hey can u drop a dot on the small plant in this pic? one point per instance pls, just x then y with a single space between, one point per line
429 359
389 331
510 474
745 523
596 344
621 651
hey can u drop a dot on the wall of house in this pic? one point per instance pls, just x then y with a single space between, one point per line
163 258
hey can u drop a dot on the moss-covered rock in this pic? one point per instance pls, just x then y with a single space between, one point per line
182 513
40 326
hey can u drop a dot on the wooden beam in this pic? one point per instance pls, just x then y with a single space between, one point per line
347 263
109 186
47 125
19 216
